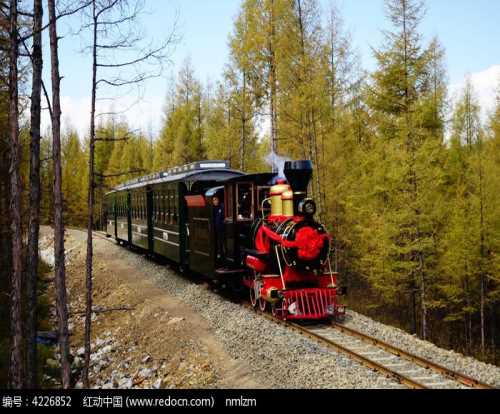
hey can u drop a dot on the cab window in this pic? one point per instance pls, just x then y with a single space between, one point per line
263 193
245 201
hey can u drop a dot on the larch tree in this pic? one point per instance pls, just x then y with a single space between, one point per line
5 228
114 27
409 154
74 180
184 126
492 220
35 195
16 366
59 253
467 246
257 48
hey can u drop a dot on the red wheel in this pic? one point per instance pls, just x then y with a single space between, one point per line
262 305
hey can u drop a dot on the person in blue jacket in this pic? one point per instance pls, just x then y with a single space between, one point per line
218 211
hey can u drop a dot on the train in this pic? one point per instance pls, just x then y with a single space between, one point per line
253 232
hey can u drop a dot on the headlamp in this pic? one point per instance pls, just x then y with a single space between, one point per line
307 207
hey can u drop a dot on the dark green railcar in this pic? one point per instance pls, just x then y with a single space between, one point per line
151 213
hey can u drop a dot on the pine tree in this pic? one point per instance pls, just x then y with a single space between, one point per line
257 47
492 219
409 152
182 133
74 179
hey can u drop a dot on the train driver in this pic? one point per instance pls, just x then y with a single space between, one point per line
218 225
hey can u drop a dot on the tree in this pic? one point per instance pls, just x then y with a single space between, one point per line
468 243
410 151
74 179
59 254
35 194
113 24
257 50
16 371
5 227
183 131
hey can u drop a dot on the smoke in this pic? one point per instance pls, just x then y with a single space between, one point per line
277 163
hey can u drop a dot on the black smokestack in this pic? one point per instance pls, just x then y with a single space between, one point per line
298 174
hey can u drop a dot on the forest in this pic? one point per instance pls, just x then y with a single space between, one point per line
407 179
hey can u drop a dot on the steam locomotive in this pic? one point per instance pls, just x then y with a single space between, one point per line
267 240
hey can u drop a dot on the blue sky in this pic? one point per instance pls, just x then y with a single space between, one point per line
469 31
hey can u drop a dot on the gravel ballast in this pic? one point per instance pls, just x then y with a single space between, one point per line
455 361
278 357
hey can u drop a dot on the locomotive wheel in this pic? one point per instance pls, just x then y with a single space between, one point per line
253 298
262 305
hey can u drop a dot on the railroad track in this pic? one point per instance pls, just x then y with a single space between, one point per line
405 368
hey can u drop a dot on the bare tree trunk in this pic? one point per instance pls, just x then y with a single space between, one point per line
16 355
243 136
34 222
273 83
423 301
60 269
482 250
90 219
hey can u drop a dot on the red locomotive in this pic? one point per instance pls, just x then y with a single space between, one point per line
255 231
291 266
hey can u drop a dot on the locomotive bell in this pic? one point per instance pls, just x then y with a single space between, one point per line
298 174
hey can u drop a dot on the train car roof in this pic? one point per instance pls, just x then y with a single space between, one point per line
259 178
196 171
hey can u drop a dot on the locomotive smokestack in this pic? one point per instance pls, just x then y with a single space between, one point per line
298 174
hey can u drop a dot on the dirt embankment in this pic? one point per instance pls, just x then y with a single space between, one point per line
142 336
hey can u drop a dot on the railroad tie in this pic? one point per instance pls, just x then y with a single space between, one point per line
386 358
426 379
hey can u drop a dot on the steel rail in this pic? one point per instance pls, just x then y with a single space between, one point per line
402 379
447 372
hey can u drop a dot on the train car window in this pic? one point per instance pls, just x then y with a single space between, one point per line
155 206
165 209
171 218
229 197
262 194
158 207
176 201
245 201
159 212
161 206
167 206
174 211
